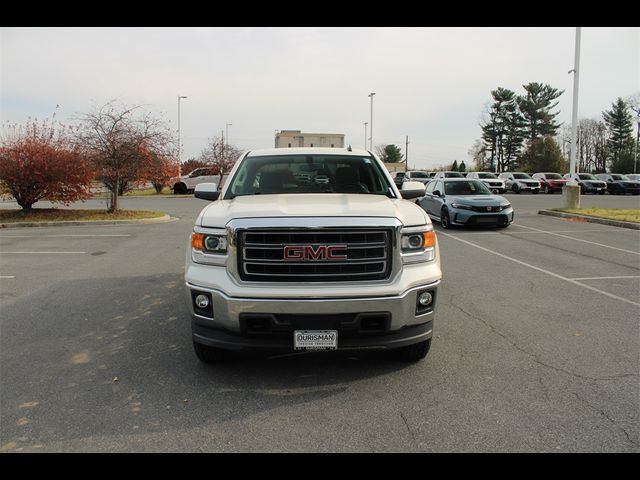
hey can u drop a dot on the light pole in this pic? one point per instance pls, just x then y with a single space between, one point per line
365 134
371 122
571 190
179 146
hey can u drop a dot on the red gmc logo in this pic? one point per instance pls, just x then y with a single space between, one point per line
311 253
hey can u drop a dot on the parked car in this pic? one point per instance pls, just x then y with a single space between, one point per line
634 177
462 201
416 176
448 174
187 183
550 182
397 178
491 180
588 183
619 184
519 182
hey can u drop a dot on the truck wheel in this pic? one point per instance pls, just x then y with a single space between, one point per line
413 353
179 189
207 354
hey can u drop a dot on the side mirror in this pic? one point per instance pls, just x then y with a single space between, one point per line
207 191
436 193
412 190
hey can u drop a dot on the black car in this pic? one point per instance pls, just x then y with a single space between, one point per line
619 184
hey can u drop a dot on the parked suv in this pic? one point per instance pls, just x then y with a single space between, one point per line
187 183
550 182
491 180
519 182
279 265
397 178
588 183
448 174
619 184
416 176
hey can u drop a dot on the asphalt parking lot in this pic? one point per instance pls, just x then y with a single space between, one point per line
536 349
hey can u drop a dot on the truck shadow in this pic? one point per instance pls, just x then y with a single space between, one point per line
109 355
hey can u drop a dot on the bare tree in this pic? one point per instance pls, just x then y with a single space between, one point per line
220 155
117 138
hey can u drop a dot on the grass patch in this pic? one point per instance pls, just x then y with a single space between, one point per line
69 215
623 214
148 191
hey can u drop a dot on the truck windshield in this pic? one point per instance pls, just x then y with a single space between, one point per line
278 174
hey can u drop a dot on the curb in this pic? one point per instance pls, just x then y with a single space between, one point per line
164 219
591 219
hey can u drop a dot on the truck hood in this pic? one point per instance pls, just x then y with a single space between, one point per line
220 212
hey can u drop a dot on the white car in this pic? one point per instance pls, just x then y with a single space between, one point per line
491 180
416 176
187 183
519 182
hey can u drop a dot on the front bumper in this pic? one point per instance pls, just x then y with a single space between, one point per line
268 323
460 216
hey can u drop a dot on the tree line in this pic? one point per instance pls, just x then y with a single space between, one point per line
520 132
117 145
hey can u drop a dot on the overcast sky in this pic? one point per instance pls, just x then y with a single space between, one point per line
431 84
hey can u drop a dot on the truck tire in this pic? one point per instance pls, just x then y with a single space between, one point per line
207 354
179 189
413 353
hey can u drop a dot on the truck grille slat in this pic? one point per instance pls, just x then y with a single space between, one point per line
261 255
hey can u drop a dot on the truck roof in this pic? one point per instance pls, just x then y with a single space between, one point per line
308 151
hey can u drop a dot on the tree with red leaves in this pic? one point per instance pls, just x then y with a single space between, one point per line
159 169
38 162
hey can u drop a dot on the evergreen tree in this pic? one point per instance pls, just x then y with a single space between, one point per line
543 155
393 154
536 108
620 126
462 167
454 167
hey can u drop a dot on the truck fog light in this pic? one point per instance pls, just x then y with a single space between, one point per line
202 301
425 299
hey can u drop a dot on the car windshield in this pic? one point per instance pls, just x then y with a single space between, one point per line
453 175
521 175
619 177
553 176
586 176
470 187
308 174
487 175
419 175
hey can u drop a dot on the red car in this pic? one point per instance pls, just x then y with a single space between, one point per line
550 182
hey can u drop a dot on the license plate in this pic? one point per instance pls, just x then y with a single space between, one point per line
486 219
315 339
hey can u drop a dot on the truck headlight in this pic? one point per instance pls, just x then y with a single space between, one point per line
209 243
418 245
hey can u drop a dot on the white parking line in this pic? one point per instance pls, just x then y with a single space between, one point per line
575 282
37 253
581 240
606 278
54 236
7 276
503 232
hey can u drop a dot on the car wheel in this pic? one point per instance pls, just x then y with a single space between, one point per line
413 353
445 220
515 188
179 189
207 354
547 190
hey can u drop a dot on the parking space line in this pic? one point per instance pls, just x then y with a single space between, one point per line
606 278
543 231
38 253
580 240
575 282
56 236
7 276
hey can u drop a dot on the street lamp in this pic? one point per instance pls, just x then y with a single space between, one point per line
227 133
179 146
371 122
365 134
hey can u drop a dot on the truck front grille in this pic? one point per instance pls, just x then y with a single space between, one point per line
261 255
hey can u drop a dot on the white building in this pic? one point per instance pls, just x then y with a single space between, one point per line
296 138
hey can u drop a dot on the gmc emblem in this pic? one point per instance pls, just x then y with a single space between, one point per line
311 253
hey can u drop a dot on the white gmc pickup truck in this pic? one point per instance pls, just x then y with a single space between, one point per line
281 262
